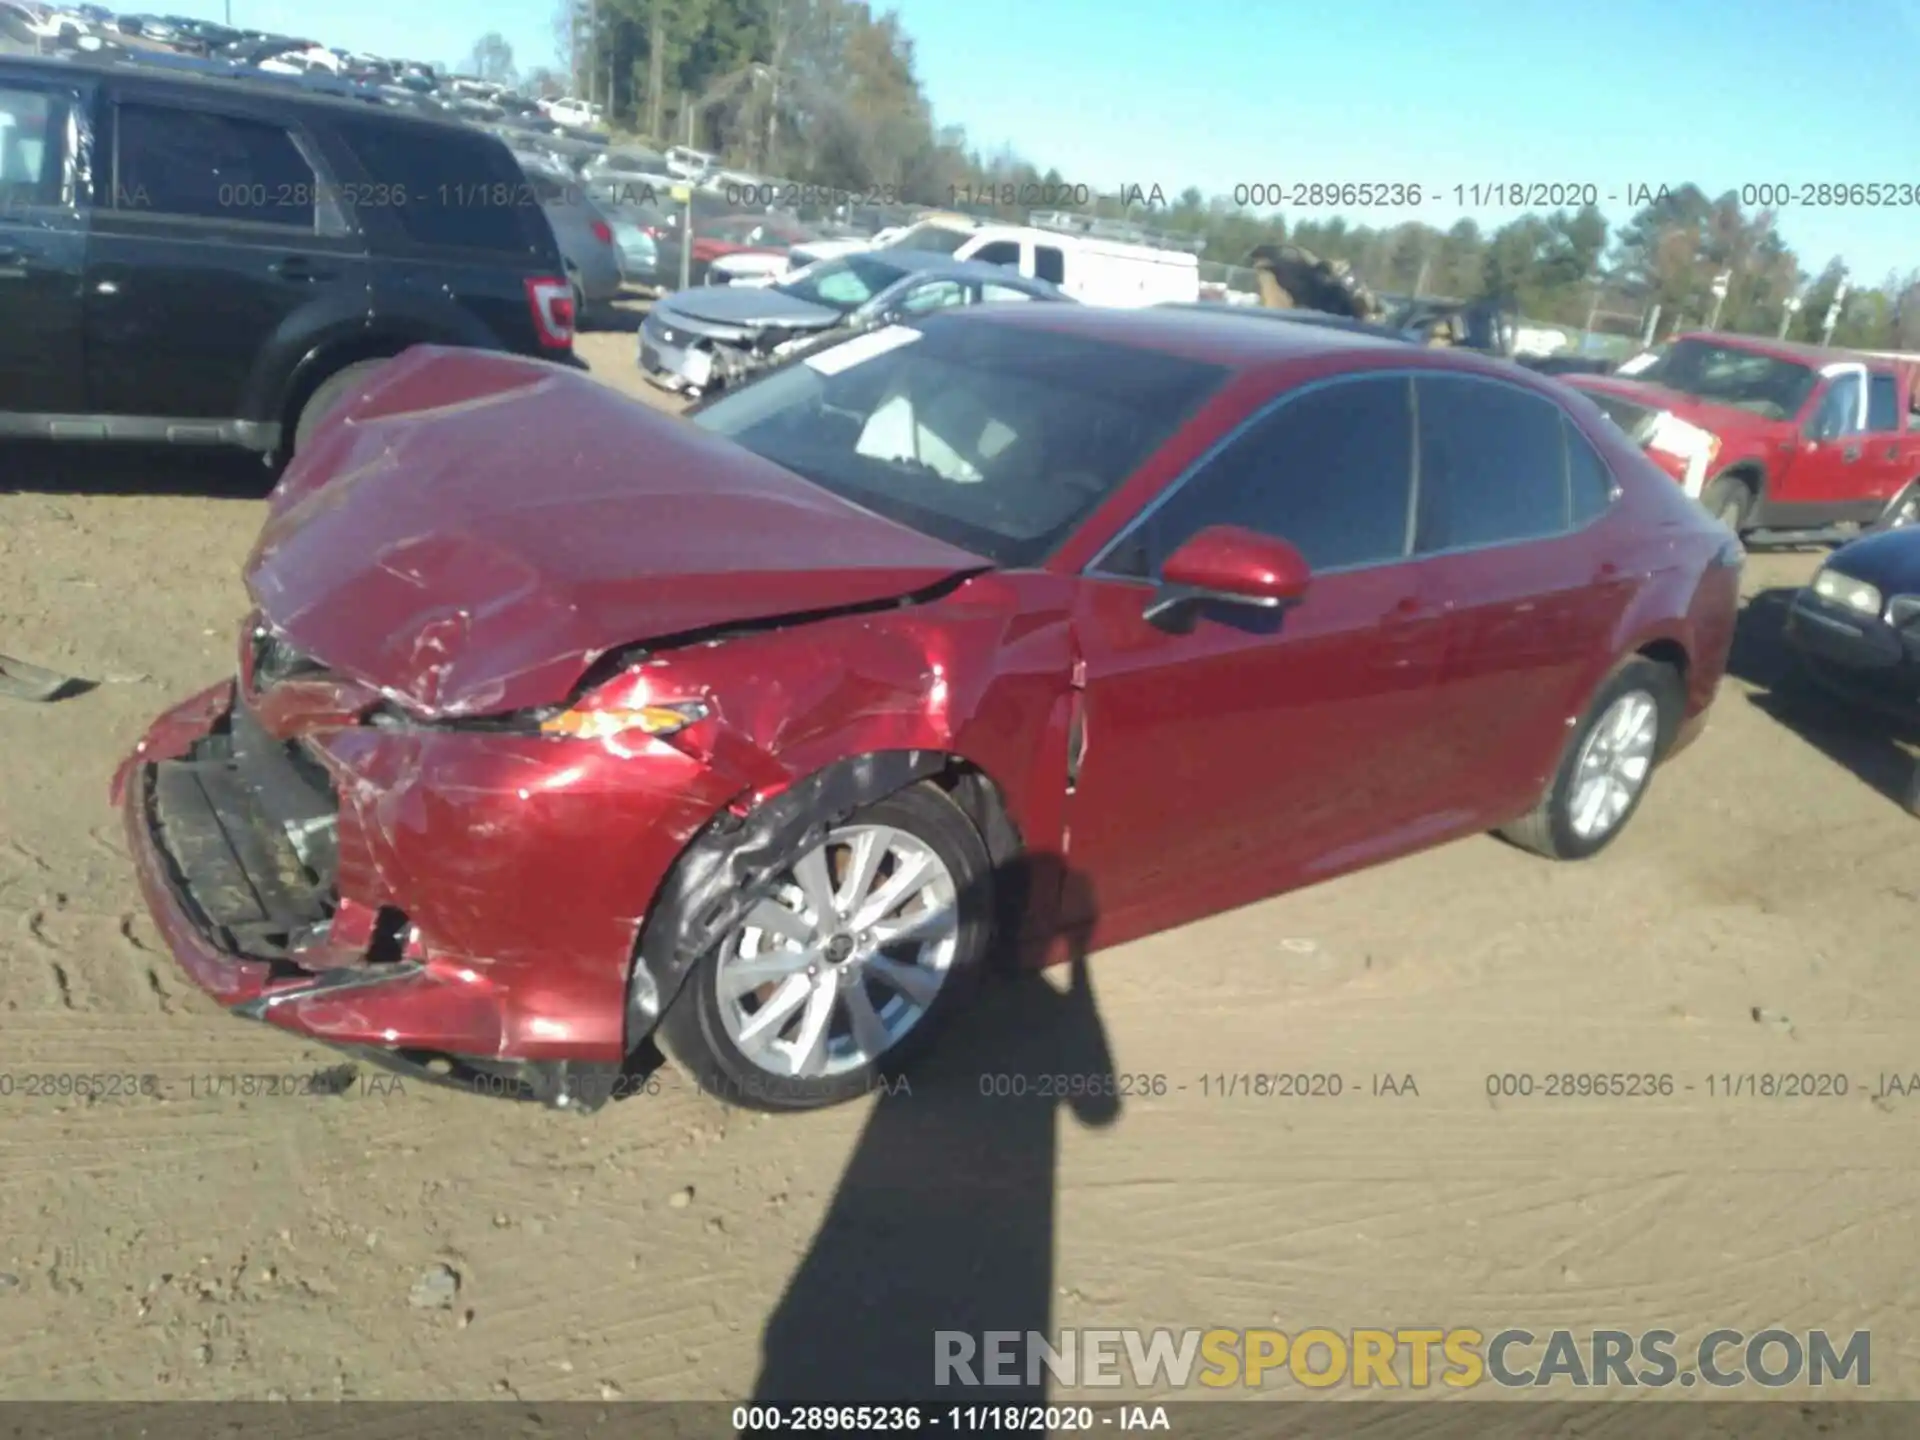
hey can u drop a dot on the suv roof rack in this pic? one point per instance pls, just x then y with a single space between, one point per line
1124 231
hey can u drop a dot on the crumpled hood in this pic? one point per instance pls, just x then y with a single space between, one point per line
744 307
474 530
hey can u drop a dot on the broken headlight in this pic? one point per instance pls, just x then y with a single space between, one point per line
589 722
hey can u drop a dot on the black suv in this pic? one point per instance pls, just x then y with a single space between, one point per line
198 260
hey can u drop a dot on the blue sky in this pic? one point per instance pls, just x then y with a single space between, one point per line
1441 93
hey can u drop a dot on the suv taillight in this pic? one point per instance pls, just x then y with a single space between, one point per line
551 301
602 232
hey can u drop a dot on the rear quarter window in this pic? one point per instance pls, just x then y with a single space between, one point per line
445 190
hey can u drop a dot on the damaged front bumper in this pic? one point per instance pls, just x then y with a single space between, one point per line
694 364
462 906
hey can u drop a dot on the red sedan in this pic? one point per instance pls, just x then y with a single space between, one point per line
561 723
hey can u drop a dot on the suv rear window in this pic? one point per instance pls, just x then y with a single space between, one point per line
446 189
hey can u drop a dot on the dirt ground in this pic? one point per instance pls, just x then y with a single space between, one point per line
1758 917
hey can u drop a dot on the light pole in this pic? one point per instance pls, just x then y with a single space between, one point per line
1794 302
1720 283
1833 311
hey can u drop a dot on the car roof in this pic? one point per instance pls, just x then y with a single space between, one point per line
1292 317
195 74
1215 339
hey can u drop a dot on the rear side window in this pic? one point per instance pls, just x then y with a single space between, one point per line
445 189
205 166
1589 483
31 125
1493 464
1883 403
1049 264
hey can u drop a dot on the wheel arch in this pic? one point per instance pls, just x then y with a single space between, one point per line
733 858
1751 470
323 362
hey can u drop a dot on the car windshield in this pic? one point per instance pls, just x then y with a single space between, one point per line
994 437
843 284
1726 375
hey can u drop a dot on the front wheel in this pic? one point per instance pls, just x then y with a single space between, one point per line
846 969
1603 775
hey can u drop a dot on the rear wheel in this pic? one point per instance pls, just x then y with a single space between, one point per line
335 388
847 968
1608 763
1729 499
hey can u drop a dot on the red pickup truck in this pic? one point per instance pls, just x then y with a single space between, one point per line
1773 436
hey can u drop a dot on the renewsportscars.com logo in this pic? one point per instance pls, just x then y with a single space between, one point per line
1412 1359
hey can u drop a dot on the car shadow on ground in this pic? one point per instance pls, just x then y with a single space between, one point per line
1875 747
944 1217
88 469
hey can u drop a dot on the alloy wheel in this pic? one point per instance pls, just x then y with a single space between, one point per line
1613 764
843 957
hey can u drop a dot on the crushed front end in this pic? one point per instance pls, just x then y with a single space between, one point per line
458 902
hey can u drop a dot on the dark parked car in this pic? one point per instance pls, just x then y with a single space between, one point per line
246 255
1856 628
562 722
709 337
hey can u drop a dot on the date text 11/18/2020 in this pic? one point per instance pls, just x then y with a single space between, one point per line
1879 1085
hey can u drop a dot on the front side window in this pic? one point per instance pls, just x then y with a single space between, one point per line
998 252
994 437
197 164
1493 464
1839 412
1331 472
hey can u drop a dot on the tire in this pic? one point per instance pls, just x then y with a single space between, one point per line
1902 511
710 1037
579 309
1729 499
1912 798
331 391
1554 829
